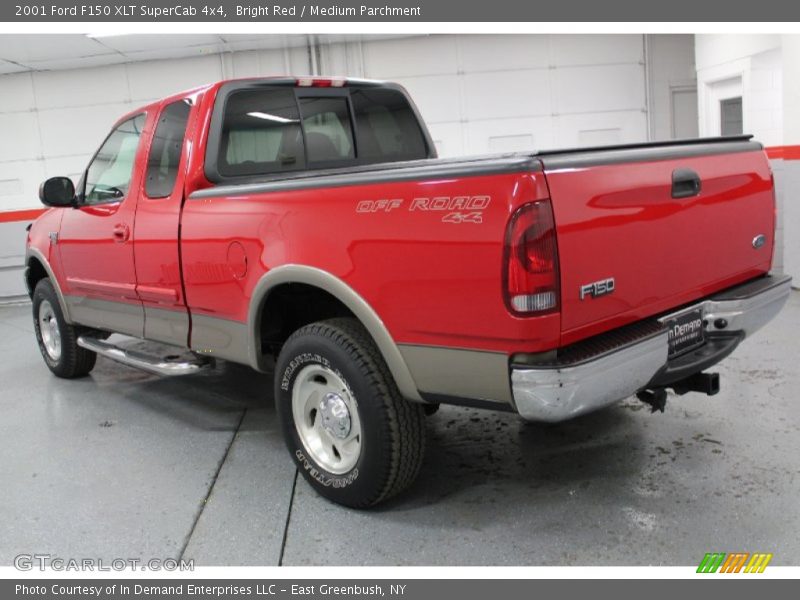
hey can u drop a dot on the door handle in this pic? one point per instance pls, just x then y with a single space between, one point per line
121 233
685 183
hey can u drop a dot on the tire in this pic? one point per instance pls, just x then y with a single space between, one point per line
357 457
430 409
63 357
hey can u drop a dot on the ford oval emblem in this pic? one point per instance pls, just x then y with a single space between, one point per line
759 241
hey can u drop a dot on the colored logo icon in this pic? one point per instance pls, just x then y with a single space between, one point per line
735 562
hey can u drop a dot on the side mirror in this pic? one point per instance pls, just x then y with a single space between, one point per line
57 191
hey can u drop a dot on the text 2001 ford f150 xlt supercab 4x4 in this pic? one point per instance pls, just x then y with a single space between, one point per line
306 226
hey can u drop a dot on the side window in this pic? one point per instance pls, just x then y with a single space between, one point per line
109 174
329 135
165 151
261 133
387 127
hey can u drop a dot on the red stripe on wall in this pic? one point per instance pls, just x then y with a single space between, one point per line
20 215
783 152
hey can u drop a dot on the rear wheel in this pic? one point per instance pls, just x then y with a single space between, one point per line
430 409
58 340
354 438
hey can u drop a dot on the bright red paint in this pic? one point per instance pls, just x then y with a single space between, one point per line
430 282
621 221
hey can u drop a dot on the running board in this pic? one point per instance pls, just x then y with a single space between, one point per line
179 363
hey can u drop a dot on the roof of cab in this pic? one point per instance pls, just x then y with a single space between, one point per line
295 81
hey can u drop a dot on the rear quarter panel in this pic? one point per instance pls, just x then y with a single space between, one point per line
431 282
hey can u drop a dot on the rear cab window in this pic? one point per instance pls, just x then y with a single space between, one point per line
260 129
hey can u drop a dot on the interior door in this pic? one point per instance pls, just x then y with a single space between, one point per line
95 241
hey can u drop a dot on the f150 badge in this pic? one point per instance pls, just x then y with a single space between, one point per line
455 209
598 288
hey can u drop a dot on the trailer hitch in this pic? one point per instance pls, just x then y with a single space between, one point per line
705 383
657 398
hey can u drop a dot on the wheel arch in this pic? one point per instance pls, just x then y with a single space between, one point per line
37 268
349 298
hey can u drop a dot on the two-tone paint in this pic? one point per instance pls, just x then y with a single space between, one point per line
195 268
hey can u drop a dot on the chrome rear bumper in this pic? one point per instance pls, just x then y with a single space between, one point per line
560 391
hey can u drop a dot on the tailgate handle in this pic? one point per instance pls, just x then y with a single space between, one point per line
685 183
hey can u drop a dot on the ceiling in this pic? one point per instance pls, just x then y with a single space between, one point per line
52 52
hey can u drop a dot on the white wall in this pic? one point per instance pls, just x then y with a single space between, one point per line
670 62
52 121
790 49
750 66
755 67
488 93
716 49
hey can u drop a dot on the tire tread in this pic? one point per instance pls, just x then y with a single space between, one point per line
404 421
75 361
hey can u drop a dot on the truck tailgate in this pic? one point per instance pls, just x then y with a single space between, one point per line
667 223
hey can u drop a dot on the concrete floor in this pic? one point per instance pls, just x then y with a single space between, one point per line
124 464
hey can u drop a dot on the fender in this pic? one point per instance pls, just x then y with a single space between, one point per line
32 252
347 296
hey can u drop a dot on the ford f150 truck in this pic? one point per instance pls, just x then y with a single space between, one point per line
305 226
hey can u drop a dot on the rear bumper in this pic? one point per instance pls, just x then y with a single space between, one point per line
607 372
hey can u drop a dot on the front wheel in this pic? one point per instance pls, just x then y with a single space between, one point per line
58 340
354 438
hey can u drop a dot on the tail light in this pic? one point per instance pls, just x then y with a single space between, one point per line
322 82
531 260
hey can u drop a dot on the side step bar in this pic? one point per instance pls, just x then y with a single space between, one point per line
171 365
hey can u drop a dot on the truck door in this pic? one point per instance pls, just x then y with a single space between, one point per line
156 236
95 240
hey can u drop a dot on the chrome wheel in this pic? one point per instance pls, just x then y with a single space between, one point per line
51 334
326 417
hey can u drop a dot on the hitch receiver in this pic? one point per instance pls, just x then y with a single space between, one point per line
657 398
705 383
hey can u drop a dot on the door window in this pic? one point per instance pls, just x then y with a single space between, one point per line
109 174
166 149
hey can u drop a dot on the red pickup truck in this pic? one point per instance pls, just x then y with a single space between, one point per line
305 226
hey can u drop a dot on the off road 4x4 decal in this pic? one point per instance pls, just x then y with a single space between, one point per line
454 209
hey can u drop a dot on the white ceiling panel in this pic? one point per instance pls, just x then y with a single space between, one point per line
7 67
127 44
86 62
56 52
24 49
251 44
264 42
176 52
